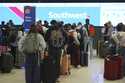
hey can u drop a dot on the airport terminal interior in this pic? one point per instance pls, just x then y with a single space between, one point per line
62 43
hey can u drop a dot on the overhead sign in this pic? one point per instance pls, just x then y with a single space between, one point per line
69 14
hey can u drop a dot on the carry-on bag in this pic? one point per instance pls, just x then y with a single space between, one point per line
6 62
49 73
65 64
113 67
84 59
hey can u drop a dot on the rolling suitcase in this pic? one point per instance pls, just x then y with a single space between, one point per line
65 65
49 71
113 68
84 59
6 62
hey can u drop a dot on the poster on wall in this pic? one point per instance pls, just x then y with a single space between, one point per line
29 16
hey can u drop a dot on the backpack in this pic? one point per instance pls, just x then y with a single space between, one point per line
12 36
82 34
91 31
56 38
73 36
30 44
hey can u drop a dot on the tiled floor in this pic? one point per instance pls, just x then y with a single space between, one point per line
91 74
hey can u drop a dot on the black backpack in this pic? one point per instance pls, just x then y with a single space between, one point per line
82 34
12 36
56 38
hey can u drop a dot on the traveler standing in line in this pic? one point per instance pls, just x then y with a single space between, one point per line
107 31
41 28
119 39
20 55
4 38
83 38
12 39
33 48
2 24
91 33
73 46
46 24
56 40
10 23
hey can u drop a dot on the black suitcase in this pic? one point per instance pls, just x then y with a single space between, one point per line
48 71
6 62
84 59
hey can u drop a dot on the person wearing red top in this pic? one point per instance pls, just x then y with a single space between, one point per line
91 33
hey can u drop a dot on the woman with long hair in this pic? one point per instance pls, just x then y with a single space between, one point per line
33 48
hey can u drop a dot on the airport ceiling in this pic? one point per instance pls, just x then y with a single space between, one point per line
53 1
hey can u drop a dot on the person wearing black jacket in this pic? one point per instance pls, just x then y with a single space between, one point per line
56 40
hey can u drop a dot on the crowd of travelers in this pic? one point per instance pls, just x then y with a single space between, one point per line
40 49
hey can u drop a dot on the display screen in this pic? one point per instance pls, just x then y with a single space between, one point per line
98 13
